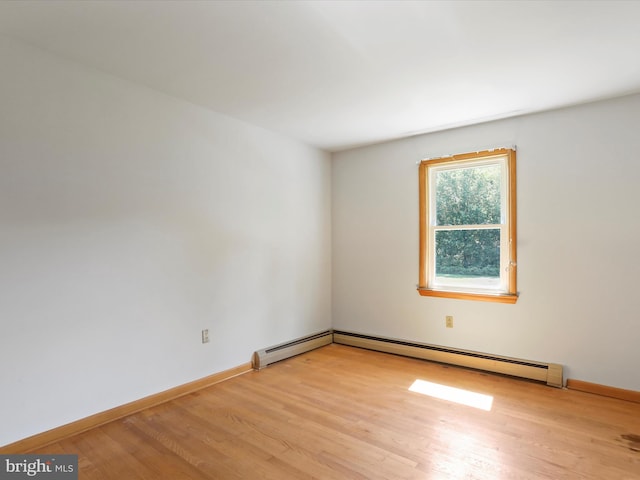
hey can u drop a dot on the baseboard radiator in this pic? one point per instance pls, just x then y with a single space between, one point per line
270 355
549 373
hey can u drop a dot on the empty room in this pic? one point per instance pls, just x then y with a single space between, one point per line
319 239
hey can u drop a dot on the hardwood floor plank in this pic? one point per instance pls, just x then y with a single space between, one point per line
159 461
345 413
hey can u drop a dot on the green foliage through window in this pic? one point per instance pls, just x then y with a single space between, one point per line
468 196
468 253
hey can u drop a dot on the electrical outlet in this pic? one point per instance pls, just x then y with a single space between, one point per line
205 335
449 321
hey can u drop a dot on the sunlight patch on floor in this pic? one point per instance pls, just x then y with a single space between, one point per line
452 394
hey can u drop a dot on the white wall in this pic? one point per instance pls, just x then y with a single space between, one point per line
578 243
130 221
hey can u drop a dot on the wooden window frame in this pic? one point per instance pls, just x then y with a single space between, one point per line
424 289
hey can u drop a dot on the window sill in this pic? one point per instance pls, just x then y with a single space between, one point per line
482 297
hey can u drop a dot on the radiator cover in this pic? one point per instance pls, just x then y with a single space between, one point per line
270 355
549 373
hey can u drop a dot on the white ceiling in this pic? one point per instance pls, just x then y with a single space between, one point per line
337 74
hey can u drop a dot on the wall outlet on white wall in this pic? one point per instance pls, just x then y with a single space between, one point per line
205 335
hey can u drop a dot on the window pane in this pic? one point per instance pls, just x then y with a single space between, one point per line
468 196
468 258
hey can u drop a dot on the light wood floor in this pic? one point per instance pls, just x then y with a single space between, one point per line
345 413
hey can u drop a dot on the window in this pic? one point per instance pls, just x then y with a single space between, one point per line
468 226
